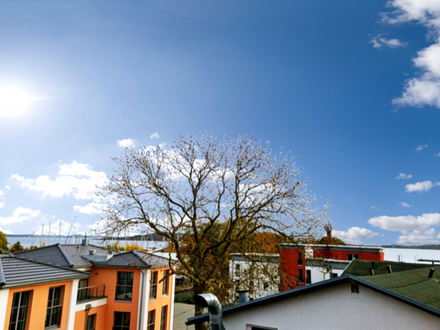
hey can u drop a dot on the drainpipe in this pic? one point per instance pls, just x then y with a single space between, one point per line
214 307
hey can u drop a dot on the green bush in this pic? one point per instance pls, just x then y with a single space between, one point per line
185 298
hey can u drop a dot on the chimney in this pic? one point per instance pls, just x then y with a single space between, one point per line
389 269
328 229
431 272
243 296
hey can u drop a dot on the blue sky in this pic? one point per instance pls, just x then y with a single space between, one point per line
351 87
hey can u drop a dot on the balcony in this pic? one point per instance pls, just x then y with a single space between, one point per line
90 293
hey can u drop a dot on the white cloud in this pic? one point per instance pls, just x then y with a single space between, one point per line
437 155
2 205
373 207
1 193
92 208
65 229
420 147
419 237
7 232
403 204
404 176
155 135
20 214
406 223
421 186
424 89
76 179
7 187
379 41
126 143
354 234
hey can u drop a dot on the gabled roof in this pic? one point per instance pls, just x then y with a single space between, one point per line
76 252
314 287
15 272
63 255
134 259
414 284
51 254
359 267
78 256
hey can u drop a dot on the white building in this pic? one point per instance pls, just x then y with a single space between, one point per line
254 272
341 303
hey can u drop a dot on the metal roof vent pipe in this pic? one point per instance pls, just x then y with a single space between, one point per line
243 296
389 269
214 307
372 272
431 272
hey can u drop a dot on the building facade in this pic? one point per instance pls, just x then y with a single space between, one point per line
77 287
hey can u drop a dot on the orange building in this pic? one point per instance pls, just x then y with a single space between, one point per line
77 287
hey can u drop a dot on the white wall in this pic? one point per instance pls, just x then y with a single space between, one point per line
3 305
335 308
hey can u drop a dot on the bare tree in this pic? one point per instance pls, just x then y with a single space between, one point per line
207 197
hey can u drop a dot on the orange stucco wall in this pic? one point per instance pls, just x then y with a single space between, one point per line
161 300
38 304
80 318
108 276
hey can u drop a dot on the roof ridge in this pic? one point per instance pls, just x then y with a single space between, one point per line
49 265
71 264
135 252
2 274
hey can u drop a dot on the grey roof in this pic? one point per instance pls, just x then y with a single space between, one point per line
313 287
63 255
76 252
52 255
134 259
78 256
15 271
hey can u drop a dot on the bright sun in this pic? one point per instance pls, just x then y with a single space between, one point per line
13 101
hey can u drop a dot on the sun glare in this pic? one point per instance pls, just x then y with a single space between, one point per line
13 101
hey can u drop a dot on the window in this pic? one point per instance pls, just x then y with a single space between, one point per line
19 310
54 307
82 294
300 275
163 318
121 321
300 258
352 256
355 288
153 285
165 282
151 316
308 276
124 286
237 270
91 321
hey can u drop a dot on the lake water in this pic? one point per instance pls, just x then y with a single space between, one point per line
29 240
411 255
